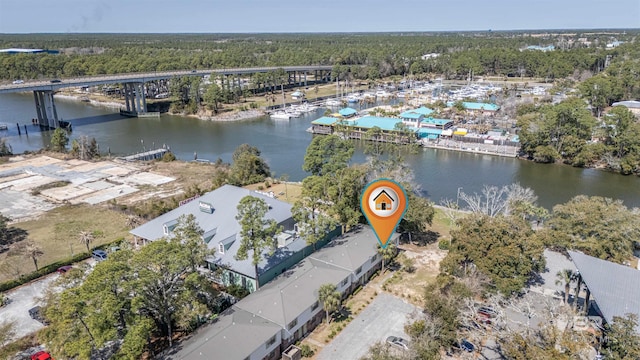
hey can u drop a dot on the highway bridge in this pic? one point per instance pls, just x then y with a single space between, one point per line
133 86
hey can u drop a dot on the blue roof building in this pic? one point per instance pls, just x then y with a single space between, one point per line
347 112
476 106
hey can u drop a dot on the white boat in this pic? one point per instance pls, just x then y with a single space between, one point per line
333 102
280 115
4 126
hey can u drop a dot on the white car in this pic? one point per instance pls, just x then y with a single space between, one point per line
16 82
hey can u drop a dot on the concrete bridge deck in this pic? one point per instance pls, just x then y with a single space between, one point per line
47 85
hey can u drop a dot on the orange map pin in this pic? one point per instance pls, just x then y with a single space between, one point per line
383 203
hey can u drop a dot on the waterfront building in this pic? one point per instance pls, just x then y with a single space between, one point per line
215 212
476 107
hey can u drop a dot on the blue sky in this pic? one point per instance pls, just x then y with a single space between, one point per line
215 16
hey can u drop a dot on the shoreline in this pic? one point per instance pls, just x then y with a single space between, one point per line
230 116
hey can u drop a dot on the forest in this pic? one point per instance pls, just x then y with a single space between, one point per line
378 54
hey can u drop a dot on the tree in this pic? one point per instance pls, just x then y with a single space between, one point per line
33 251
344 191
189 233
86 238
566 277
330 298
257 233
248 167
327 154
213 97
84 149
387 253
600 227
380 351
310 211
418 217
504 248
59 140
622 339
5 148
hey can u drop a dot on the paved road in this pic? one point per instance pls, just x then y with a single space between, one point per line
385 316
22 299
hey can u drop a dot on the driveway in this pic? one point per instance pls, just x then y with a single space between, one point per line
385 316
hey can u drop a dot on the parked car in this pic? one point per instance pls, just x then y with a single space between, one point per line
398 342
56 81
16 82
36 314
64 269
488 311
467 346
41 355
99 255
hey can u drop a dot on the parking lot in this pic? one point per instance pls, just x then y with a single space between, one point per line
385 316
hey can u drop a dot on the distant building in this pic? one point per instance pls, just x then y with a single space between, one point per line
28 51
632 105
540 48
429 56
215 213
476 107
614 44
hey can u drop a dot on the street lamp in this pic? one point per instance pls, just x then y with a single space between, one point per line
458 197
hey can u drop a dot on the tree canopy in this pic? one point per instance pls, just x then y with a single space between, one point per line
597 226
503 248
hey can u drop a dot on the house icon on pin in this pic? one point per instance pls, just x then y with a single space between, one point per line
383 201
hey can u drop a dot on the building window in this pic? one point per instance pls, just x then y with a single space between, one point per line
359 270
374 258
315 305
271 341
292 324
221 248
344 282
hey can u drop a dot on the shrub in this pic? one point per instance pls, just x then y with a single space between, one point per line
306 350
168 156
443 245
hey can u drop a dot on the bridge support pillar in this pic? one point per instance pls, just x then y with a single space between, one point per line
134 99
46 109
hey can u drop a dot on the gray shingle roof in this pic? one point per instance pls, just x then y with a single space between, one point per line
235 335
224 201
614 287
287 296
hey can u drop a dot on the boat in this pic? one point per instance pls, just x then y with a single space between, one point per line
333 102
4 126
280 115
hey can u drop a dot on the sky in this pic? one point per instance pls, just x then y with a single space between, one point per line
259 16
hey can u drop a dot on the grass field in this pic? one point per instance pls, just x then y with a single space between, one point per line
287 193
57 234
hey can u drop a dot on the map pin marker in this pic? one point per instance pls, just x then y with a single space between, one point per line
383 203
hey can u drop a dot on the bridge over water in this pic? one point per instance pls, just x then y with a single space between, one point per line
134 89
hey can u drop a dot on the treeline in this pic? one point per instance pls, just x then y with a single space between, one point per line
378 55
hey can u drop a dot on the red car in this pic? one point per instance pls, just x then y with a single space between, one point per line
41 355
64 269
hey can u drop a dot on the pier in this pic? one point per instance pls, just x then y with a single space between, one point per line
147 155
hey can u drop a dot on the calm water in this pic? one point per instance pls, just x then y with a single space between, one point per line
283 144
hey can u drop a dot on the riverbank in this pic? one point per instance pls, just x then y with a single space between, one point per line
90 99
228 116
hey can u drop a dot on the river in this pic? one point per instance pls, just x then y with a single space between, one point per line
283 143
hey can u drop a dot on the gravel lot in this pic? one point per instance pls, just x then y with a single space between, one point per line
385 316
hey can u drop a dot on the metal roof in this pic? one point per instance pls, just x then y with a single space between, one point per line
325 120
348 111
628 103
224 202
614 287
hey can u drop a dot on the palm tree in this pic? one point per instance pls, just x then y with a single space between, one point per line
387 253
86 238
565 277
330 298
33 252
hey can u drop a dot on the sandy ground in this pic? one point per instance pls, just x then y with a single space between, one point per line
27 191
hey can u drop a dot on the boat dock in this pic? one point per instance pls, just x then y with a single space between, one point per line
146 156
